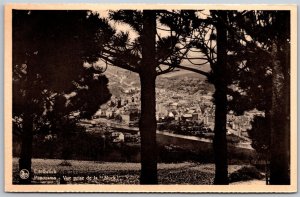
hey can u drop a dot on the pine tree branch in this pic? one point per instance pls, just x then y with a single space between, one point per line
120 65
172 67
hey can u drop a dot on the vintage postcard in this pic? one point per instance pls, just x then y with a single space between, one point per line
150 98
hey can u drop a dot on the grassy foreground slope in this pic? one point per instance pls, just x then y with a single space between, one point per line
123 173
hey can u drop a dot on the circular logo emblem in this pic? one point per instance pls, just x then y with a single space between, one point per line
24 174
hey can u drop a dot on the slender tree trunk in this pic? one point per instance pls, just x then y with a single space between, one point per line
26 149
220 82
280 136
148 132
25 173
268 140
147 124
220 140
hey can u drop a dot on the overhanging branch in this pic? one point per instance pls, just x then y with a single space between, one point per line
172 67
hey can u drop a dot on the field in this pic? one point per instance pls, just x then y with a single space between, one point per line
90 172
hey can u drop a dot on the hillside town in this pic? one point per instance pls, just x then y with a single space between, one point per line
172 107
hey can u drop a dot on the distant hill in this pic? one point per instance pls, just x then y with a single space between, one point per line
180 80
183 74
120 79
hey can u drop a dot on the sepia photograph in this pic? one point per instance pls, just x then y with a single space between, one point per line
159 98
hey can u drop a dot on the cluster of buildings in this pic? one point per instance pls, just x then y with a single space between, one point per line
125 109
172 106
239 125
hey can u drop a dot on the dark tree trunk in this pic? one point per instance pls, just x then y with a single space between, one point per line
280 125
220 82
148 131
220 140
147 124
26 149
266 153
280 109
27 135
